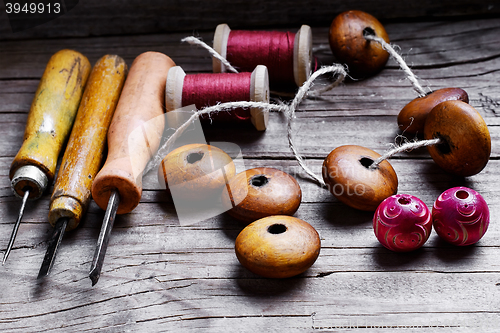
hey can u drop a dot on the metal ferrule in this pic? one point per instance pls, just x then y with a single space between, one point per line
29 177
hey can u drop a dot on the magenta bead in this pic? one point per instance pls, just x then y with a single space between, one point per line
402 223
460 216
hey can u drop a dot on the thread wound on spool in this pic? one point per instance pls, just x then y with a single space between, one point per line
247 49
205 90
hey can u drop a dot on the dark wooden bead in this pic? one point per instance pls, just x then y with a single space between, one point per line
349 45
261 192
196 171
411 118
466 146
349 178
278 246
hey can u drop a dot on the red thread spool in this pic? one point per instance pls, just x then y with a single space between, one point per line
287 55
210 89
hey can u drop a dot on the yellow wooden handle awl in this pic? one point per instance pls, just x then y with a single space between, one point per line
49 123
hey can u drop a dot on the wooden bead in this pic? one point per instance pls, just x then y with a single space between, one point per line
348 177
460 216
349 45
278 246
467 144
411 118
260 192
402 223
196 171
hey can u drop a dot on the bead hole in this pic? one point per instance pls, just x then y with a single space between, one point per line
259 180
404 201
443 146
462 194
276 229
194 157
366 162
368 32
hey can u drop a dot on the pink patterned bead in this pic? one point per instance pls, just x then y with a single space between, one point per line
402 223
460 216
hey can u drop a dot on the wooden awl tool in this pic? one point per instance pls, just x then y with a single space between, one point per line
50 118
133 138
84 152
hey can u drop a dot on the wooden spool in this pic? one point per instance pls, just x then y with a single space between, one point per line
259 92
302 52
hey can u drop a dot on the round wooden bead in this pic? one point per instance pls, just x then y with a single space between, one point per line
349 45
348 177
460 216
260 192
278 246
466 146
196 171
411 118
402 223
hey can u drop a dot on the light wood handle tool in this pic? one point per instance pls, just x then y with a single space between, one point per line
133 138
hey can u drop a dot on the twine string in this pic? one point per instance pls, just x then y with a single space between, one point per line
409 74
287 110
196 41
405 147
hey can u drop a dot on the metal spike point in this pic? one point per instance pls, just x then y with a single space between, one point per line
103 240
54 242
16 226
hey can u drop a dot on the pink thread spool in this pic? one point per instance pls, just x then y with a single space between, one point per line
205 90
287 55
402 223
460 216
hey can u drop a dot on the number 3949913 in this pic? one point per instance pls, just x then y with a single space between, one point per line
32 8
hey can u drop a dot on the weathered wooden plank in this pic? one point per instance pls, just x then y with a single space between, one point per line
161 274
340 226
93 18
190 304
384 94
314 137
424 46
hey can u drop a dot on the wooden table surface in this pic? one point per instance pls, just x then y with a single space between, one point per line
163 275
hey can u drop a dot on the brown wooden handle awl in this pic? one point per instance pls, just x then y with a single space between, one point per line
84 152
135 132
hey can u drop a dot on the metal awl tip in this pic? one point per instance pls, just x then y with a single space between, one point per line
16 226
102 241
54 242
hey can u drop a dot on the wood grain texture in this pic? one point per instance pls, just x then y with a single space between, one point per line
95 18
161 275
52 112
85 149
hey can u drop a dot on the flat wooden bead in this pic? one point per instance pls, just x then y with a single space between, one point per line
349 45
278 246
467 143
196 171
261 192
411 118
348 177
